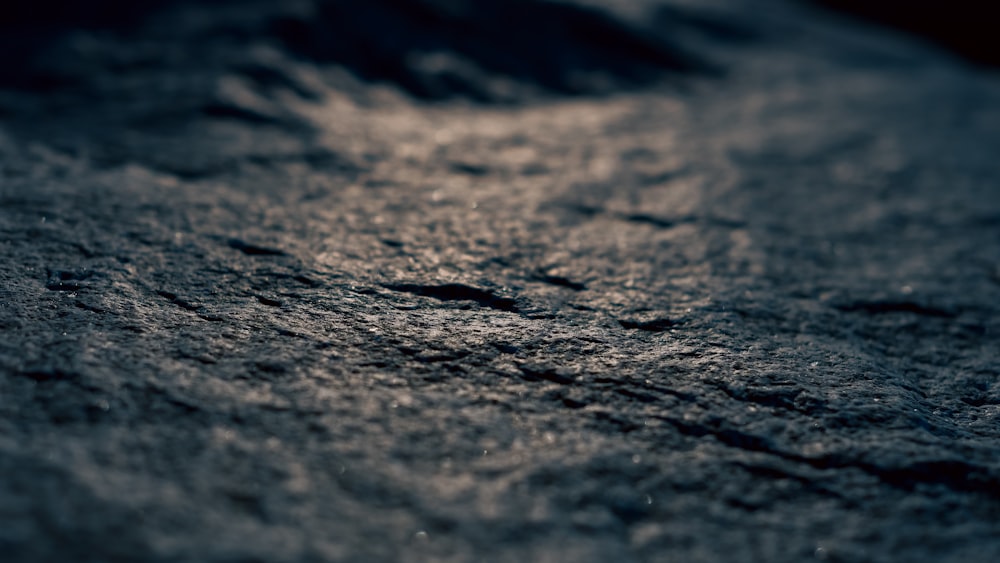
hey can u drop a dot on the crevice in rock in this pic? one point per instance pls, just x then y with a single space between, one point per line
885 307
654 325
655 221
268 301
62 286
67 280
959 476
458 292
253 249
83 306
533 372
49 373
560 281
173 298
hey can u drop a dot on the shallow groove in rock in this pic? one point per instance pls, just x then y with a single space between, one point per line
268 301
956 475
658 222
90 308
254 249
173 298
654 325
885 307
220 110
458 292
63 286
561 281
533 372
49 373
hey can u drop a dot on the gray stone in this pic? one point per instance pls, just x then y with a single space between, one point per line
262 299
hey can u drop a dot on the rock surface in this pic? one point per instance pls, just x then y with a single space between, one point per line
410 281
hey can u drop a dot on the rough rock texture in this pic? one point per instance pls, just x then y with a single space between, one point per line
636 281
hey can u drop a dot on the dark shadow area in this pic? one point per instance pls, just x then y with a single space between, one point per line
28 28
967 27
435 49
52 15
484 50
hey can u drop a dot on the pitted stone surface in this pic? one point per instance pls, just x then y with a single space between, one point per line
262 302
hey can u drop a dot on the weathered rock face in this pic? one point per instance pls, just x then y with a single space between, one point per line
637 281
